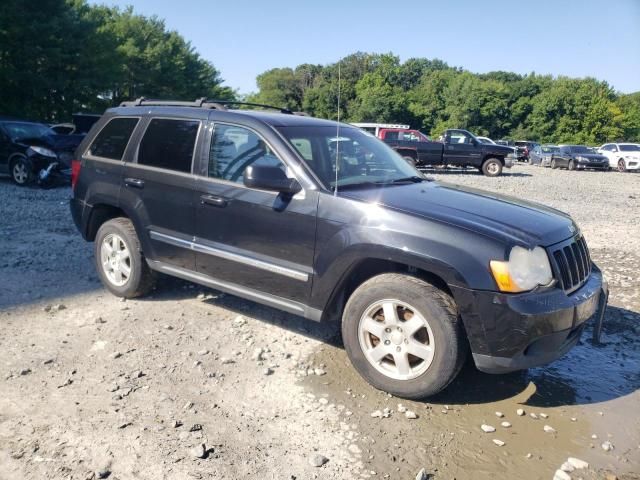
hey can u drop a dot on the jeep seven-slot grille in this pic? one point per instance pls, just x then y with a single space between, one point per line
572 263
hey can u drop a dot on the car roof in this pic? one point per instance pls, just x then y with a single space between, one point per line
274 119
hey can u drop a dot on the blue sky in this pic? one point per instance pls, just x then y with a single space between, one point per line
242 38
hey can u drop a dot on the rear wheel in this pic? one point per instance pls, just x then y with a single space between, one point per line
571 165
21 173
622 167
492 167
553 164
403 335
119 260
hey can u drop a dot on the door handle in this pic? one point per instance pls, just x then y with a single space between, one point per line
213 200
134 182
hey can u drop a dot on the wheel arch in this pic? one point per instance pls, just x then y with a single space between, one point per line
363 269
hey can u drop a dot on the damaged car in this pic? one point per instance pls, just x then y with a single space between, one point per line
31 152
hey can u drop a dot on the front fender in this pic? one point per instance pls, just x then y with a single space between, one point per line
350 232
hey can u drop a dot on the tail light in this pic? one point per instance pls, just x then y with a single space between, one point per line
75 172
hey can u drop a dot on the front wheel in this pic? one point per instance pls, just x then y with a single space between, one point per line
119 260
403 335
21 172
492 167
622 167
554 165
572 166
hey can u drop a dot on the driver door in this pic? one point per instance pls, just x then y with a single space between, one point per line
461 149
254 239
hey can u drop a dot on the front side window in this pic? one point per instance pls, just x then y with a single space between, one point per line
233 149
113 138
460 138
169 144
351 155
630 148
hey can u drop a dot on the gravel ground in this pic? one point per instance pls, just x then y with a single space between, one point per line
191 383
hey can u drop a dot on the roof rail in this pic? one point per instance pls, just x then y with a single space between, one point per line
198 103
251 104
203 103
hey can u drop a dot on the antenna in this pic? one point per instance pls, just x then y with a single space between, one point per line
335 190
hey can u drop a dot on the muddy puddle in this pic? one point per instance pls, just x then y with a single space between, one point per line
592 391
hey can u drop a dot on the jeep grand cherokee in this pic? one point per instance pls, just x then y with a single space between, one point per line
325 221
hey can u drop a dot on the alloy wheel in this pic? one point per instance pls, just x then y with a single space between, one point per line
396 339
115 259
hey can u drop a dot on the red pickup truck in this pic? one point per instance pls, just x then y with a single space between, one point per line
458 148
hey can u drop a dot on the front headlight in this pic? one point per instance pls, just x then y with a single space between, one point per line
525 270
582 159
45 152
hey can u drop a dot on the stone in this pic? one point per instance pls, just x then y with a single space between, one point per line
239 321
257 355
607 446
560 475
567 467
505 425
104 472
520 412
577 463
543 415
376 414
319 372
203 352
487 428
549 429
115 355
499 443
317 460
422 474
199 451
227 361
196 427
401 408
267 371
533 415
410 414
25 371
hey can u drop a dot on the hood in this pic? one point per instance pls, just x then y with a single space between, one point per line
57 143
500 150
504 218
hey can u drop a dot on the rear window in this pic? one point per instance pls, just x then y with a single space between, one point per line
169 144
113 138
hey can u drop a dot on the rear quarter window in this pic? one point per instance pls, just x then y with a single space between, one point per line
112 140
169 144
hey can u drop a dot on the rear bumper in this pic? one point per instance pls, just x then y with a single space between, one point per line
80 214
515 332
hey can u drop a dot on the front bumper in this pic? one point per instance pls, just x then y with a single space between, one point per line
598 165
513 332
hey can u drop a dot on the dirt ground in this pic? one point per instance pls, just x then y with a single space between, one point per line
191 383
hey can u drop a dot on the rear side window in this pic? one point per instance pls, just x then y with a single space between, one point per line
113 138
169 143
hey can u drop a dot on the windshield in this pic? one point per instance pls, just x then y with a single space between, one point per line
20 130
629 148
360 158
580 149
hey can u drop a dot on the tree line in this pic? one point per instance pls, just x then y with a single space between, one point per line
58 57
433 96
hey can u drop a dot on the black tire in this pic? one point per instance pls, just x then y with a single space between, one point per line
449 345
622 167
492 167
141 279
21 171
571 166
554 165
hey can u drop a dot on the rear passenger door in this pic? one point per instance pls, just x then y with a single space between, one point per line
159 188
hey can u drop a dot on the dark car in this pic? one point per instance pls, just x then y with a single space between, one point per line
578 157
31 152
524 148
541 155
323 220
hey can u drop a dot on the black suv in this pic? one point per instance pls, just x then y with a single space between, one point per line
325 221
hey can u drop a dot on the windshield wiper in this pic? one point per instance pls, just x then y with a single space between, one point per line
412 179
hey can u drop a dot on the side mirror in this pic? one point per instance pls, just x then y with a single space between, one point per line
270 178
